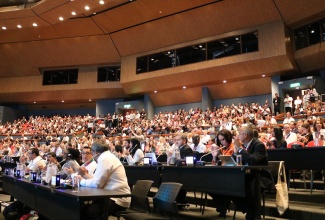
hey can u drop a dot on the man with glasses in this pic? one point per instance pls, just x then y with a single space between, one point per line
36 162
110 174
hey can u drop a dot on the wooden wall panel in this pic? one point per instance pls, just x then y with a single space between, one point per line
210 20
25 58
311 58
180 96
299 12
241 89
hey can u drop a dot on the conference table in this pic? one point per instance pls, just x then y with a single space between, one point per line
60 204
222 180
304 158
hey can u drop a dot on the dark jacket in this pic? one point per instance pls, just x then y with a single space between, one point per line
185 151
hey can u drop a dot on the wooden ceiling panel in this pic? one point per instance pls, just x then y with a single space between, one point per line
244 88
143 11
299 12
177 97
26 22
206 21
17 14
45 6
63 52
63 11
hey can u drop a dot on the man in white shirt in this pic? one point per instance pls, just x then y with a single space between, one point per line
289 136
288 118
55 147
110 174
197 145
36 162
288 103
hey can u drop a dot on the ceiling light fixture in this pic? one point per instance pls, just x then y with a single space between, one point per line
89 100
18 26
184 87
34 24
34 102
87 7
101 2
73 13
61 18
263 75
155 91
224 81
62 100
4 28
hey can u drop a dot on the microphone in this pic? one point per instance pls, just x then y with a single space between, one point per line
204 156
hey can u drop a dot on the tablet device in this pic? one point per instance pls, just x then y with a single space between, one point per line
227 160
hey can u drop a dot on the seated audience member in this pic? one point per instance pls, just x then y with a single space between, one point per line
70 157
119 152
197 145
288 118
52 167
279 141
225 138
289 136
319 132
305 134
134 155
36 162
110 174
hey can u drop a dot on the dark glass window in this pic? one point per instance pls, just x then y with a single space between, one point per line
108 74
323 29
224 47
192 54
142 64
161 60
314 33
301 39
58 77
249 42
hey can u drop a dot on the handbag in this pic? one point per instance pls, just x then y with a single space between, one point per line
282 197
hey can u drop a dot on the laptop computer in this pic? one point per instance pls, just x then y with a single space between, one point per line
153 157
147 161
227 160
190 160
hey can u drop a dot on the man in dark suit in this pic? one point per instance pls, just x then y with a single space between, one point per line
253 153
184 151
276 103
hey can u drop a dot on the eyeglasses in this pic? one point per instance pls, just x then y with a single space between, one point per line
84 153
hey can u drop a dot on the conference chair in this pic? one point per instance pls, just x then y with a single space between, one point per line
274 170
139 198
165 206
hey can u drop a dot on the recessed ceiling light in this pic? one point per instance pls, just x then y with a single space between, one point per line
62 100
61 18
34 24
152 59
236 38
94 13
34 102
87 7
101 2
18 26
312 31
184 87
224 81
155 91
263 75
4 28
89 100
73 13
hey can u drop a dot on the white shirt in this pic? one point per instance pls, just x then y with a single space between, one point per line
36 163
290 138
110 174
137 158
58 151
288 102
199 148
288 120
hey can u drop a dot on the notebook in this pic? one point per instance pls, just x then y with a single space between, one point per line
227 160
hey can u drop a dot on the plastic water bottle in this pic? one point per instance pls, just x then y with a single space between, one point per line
177 153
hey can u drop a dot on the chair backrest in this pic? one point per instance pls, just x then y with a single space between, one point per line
164 200
296 143
139 198
310 144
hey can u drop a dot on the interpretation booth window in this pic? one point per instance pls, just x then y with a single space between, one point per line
229 46
59 77
108 74
309 34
